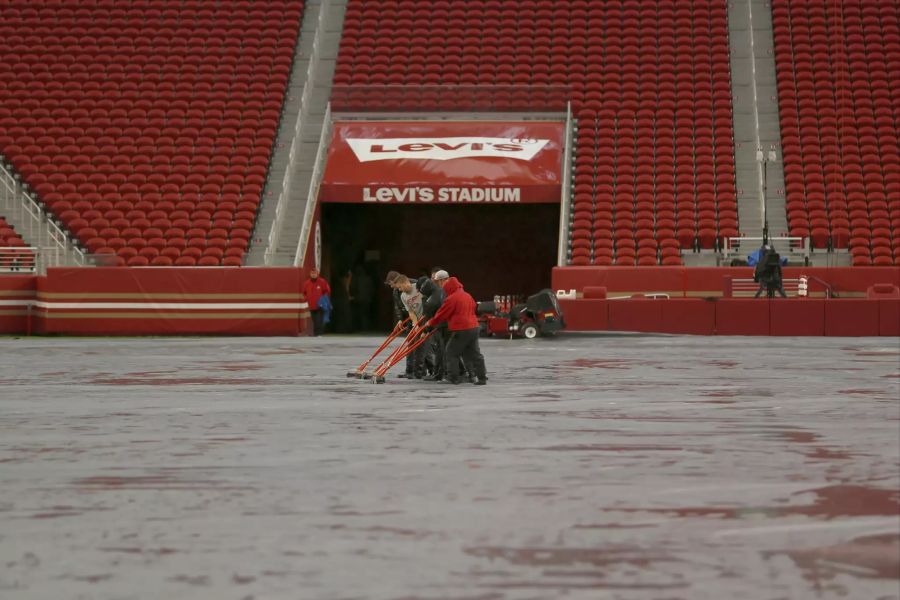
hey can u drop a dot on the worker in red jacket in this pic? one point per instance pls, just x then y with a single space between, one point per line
459 312
314 289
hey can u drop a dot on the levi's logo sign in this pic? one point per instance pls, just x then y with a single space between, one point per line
445 148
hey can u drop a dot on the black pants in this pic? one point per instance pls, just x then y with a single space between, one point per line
318 319
415 362
770 288
464 345
438 341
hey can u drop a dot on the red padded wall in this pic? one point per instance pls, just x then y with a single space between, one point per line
851 317
889 317
742 316
708 281
690 316
16 292
585 314
796 317
636 315
170 301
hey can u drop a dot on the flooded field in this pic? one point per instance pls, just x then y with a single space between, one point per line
589 467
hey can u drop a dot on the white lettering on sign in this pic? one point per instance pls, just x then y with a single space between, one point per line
413 195
368 150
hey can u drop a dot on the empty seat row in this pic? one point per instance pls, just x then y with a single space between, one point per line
610 60
836 67
147 127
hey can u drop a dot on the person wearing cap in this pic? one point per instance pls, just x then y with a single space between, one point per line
458 311
433 298
439 276
315 289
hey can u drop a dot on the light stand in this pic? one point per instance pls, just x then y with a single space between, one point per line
765 159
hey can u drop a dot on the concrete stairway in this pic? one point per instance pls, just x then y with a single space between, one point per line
756 125
294 158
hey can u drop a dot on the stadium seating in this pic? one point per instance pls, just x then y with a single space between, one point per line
146 126
838 71
650 87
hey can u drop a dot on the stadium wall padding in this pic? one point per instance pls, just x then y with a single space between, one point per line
710 281
170 301
889 316
17 292
585 314
852 317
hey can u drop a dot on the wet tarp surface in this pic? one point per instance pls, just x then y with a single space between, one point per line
630 467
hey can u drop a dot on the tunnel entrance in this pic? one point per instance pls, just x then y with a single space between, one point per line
492 249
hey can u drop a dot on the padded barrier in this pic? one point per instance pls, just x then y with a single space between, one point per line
736 316
742 316
889 317
170 301
883 290
851 317
16 293
797 317
639 314
595 292
692 315
585 314
708 281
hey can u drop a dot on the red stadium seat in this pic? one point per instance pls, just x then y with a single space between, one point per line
114 136
829 154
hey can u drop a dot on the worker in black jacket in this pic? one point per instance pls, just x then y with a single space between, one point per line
433 297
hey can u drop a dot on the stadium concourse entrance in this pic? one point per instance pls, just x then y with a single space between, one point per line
480 199
493 249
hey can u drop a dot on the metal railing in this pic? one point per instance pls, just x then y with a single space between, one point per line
566 194
312 198
18 259
745 288
300 127
53 246
792 248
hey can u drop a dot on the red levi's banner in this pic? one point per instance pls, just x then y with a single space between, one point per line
444 162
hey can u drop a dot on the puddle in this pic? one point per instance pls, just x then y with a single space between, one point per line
186 381
153 482
599 363
830 502
559 557
602 448
875 556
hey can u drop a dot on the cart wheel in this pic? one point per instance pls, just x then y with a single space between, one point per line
530 331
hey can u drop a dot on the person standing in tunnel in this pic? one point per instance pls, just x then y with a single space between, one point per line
458 311
314 289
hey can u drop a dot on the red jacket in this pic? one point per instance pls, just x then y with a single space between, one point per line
314 289
458 308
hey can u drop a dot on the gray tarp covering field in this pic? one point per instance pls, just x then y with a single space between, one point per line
624 467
